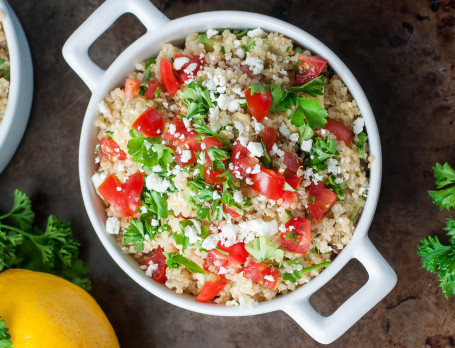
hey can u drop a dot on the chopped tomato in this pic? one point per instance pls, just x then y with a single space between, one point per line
310 68
171 84
132 87
269 137
292 163
268 183
181 132
258 103
210 176
125 198
231 211
150 123
297 236
242 161
261 273
191 144
341 132
110 151
232 257
288 196
322 200
159 274
246 70
182 139
210 290
184 76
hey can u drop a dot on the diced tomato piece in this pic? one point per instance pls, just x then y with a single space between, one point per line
268 183
310 68
125 198
242 161
341 132
237 253
171 84
269 137
209 175
288 196
110 151
131 88
258 103
150 123
182 139
191 144
158 258
292 163
151 90
297 236
257 272
231 211
184 76
210 290
246 70
323 199
180 131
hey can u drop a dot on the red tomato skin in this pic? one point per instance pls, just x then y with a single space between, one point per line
182 76
131 88
180 129
110 151
210 290
150 123
292 163
237 253
323 200
210 176
301 228
258 103
151 90
312 68
128 199
288 196
242 161
257 271
268 183
191 144
183 138
269 137
171 84
231 211
159 274
341 132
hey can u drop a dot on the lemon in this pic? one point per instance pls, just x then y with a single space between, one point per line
42 310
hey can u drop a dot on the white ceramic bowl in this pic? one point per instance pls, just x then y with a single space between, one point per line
17 112
160 30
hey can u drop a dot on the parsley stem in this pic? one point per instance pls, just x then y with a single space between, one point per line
3 217
312 268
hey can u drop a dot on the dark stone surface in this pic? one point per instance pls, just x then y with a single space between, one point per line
402 52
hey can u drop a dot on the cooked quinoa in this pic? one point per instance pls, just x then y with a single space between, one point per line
4 70
222 65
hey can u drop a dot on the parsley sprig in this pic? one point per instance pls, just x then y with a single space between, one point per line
322 150
5 338
174 261
444 196
296 274
52 250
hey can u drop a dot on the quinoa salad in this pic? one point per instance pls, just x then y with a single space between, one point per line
234 167
4 70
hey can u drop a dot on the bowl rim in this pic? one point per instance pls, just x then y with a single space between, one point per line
178 29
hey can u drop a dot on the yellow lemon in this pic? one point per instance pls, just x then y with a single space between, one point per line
42 310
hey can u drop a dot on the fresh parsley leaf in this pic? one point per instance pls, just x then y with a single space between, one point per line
362 139
223 50
292 277
315 116
333 186
250 45
444 175
156 203
157 92
444 197
314 87
257 88
311 199
288 187
21 210
176 260
281 99
265 159
148 69
440 259
296 64
5 338
142 88
261 249
321 151
135 234
241 34
218 156
298 50
208 43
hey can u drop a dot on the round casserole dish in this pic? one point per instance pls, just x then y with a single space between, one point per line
20 97
160 30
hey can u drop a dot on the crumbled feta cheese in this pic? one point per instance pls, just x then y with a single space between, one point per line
186 122
255 149
256 169
216 195
294 137
234 105
97 159
186 156
237 90
256 32
276 151
112 225
269 278
238 196
192 234
210 242
222 270
284 130
151 268
211 32
358 125
172 128
249 181
155 223
332 166
237 43
214 113
240 53
246 231
118 188
155 183
103 108
223 101
180 62
255 64
190 68
157 169
239 126
258 126
306 145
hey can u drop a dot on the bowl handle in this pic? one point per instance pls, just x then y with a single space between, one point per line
75 50
381 280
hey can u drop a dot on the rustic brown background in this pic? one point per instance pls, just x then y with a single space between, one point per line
402 53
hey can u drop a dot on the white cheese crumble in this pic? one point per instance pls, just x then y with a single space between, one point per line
246 231
103 108
284 130
112 225
238 196
97 179
255 149
276 151
156 183
240 53
186 156
223 101
306 145
210 242
269 278
180 62
358 125
294 137
190 68
255 64
211 32
256 32
151 268
216 195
